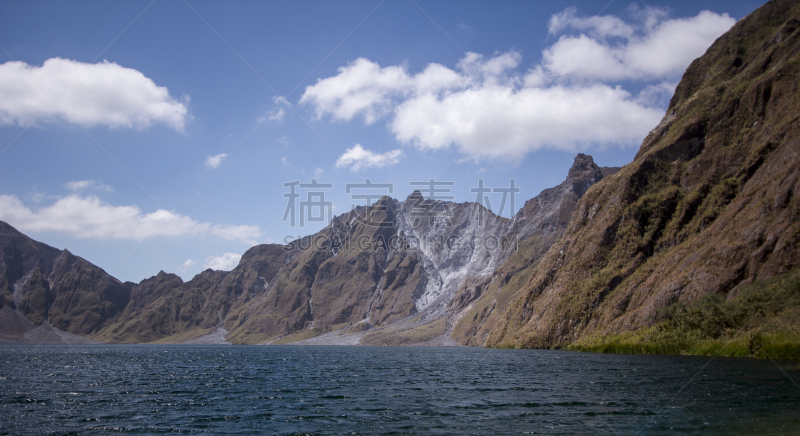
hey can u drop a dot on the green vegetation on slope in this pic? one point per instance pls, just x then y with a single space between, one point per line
762 321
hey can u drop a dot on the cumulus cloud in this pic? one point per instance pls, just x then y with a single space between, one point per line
652 47
498 122
226 262
87 217
484 107
362 87
216 160
104 93
359 157
486 110
80 185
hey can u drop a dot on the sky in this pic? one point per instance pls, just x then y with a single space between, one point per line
174 135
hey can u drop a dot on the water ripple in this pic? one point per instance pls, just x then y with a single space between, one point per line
121 389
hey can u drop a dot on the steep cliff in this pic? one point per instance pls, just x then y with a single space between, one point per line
708 206
482 299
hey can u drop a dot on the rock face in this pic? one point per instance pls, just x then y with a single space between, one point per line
392 267
483 298
41 285
383 271
709 204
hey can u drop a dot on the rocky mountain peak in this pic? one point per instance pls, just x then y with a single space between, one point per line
583 174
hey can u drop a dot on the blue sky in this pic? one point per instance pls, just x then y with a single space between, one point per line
147 136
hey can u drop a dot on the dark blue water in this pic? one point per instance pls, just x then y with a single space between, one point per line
99 389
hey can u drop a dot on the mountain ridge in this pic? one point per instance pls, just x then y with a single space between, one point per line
686 218
395 263
693 247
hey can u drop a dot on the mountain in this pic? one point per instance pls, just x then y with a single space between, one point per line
383 274
704 220
690 248
398 284
164 306
481 300
50 295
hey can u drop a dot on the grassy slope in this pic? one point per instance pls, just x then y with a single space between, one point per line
763 320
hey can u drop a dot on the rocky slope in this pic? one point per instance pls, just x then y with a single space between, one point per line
709 204
164 306
387 274
482 299
41 286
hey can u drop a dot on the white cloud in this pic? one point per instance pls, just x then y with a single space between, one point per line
278 112
103 94
277 115
485 108
79 185
186 265
599 25
499 122
226 262
281 100
37 197
318 172
90 218
651 48
657 95
362 87
487 111
285 162
359 157
216 160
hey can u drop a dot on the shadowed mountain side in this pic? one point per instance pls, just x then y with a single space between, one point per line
163 306
41 285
